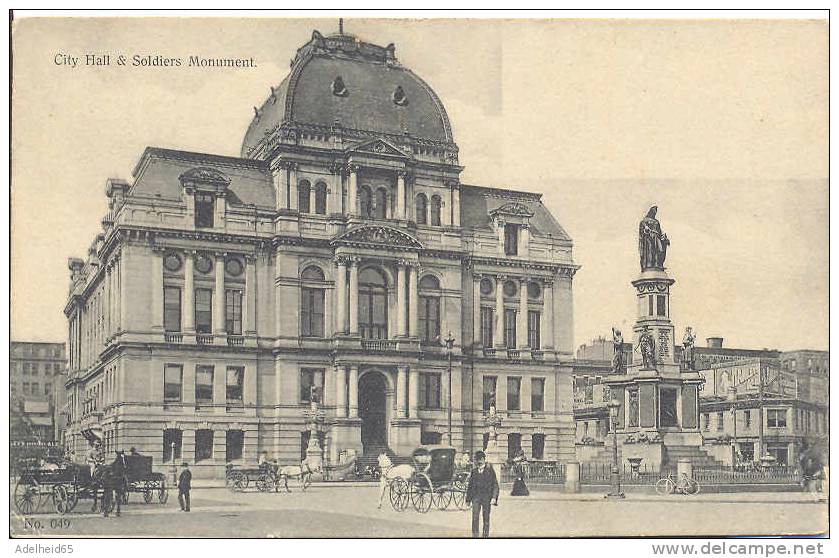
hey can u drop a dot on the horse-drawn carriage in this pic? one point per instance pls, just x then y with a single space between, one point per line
267 476
64 485
433 479
141 479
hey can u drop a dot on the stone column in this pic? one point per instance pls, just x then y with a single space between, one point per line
188 304
547 318
278 315
292 186
352 193
499 311
524 240
156 289
401 301
353 391
476 310
413 330
312 192
250 296
455 204
401 393
280 179
413 392
521 320
340 390
221 209
400 195
353 296
341 294
218 296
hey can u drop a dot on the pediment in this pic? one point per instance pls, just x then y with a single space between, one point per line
512 208
377 235
379 147
205 175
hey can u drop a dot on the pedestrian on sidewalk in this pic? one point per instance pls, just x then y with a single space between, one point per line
520 468
481 491
184 486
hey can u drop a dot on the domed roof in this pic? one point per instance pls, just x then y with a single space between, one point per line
359 86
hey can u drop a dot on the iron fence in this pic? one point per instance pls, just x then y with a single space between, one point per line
600 473
536 472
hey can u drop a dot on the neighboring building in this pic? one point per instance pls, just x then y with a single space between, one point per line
336 253
33 367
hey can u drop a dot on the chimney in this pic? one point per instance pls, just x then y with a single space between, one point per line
714 342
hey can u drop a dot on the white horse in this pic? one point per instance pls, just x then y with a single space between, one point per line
391 472
304 472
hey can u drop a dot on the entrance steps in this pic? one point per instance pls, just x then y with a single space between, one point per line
371 456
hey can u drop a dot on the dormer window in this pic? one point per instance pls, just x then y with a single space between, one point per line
338 87
511 240
205 208
399 96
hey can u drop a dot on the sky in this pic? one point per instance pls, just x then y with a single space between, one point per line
721 124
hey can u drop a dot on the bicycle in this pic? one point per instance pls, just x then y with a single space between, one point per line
684 485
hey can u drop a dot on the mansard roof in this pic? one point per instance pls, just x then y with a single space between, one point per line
478 205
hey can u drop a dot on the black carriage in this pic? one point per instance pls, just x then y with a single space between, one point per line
63 484
141 479
264 477
435 481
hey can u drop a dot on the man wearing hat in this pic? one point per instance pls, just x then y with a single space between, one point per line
184 485
481 491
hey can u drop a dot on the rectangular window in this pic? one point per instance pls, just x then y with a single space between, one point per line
720 421
172 442
235 442
429 319
633 407
26 368
172 383
486 327
203 385
650 305
510 328
513 444
533 333
172 308
538 446
513 394
233 311
36 387
776 418
429 391
309 378
430 438
47 389
235 383
312 313
706 422
205 205
780 452
489 391
26 388
537 394
748 418
204 310
511 240
203 445
661 307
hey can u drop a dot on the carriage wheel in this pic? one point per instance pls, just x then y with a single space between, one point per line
162 492
27 495
72 497
239 482
265 483
112 504
399 497
420 496
147 495
459 494
61 500
441 499
665 486
692 487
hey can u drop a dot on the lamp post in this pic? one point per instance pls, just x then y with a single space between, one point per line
449 348
615 476
174 465
732 391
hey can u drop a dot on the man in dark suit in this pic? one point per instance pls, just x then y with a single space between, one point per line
184 486
481 491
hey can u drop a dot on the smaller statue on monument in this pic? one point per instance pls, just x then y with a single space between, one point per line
646 346
652 243
618 364
688 355
313 397
492 409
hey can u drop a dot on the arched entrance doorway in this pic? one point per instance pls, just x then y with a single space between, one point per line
372 403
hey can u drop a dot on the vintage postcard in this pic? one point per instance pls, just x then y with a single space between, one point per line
278 276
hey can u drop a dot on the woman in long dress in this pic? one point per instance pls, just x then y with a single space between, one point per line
519 486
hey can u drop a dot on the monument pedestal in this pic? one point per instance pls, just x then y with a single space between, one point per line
345 434
405 435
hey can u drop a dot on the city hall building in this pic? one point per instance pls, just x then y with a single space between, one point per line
331 260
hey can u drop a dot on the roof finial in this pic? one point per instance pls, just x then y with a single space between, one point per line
340 26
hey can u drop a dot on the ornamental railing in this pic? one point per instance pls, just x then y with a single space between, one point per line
235 340
203 339
378 344
173 337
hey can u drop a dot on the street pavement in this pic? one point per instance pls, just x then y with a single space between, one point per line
329 510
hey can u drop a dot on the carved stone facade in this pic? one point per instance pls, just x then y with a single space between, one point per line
331 255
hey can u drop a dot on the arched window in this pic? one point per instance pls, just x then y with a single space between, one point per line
312 302
372 304
365 202
421 209
381 203
436 204
303 196
320 198
429 310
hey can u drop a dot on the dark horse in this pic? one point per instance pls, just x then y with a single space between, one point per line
111 479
